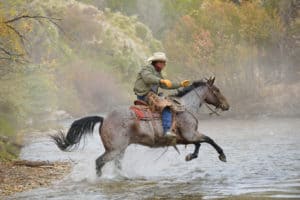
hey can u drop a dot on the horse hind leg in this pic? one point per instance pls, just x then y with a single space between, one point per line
107 156
100 162
118 160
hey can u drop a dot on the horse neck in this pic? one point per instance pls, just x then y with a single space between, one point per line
194 98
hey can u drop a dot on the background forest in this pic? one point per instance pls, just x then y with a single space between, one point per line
81 57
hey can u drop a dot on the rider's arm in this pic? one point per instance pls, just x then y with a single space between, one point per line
150 78
174 85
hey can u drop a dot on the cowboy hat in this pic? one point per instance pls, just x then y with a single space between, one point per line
157 56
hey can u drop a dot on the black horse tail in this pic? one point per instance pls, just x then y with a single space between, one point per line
79 128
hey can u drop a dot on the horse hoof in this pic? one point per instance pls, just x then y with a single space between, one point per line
222 157
189 157
99 173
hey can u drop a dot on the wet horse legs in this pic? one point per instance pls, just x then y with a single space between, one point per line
104 158
197 138
118 160
210 141
193 155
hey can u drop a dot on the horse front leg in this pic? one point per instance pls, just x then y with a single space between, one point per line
195 137
210 141
193 155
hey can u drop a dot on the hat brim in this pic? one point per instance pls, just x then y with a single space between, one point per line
152 58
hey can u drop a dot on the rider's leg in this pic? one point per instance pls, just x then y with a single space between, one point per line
167 121
143 98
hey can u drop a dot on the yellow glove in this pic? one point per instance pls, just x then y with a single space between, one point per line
185 83
166 82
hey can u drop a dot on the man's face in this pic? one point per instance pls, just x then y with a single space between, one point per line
159 65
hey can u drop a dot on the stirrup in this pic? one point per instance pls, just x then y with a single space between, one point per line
169 134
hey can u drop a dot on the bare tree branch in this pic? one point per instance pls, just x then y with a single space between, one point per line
36 17
5 58
21 37
31 17
20 58
9 53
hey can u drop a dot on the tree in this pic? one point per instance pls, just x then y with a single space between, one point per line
13 40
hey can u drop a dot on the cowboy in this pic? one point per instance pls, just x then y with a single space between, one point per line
149 79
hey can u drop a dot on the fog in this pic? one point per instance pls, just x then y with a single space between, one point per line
64 60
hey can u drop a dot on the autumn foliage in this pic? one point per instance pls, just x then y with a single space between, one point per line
237 43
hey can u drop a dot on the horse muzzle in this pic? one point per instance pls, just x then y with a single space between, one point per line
224 107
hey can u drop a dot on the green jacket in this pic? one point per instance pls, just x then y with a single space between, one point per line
148 80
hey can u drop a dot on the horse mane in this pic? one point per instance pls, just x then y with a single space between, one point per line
186 90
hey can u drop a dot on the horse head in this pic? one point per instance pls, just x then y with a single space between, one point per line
214 95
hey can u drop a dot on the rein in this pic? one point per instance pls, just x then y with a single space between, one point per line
212 111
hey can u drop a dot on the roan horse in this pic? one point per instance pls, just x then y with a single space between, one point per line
117 132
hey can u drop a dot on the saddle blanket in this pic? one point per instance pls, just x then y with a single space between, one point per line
143 112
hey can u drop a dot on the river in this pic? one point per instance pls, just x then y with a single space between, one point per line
263 160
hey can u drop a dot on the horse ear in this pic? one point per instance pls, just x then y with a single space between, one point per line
213 80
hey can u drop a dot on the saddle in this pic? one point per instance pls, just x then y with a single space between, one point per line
143 111
153 110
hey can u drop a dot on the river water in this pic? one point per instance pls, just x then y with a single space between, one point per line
263 160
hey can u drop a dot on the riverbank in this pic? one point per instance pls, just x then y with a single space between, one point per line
18 177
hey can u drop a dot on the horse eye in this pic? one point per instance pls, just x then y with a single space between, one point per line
216 92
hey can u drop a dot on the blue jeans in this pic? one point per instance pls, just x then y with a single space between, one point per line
166 115
143 98
166 119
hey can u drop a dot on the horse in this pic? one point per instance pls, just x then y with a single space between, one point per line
117 132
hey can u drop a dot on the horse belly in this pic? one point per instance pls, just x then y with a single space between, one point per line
149 131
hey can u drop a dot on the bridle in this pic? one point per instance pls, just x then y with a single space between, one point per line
213 111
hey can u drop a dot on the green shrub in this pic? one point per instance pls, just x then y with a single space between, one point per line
141 31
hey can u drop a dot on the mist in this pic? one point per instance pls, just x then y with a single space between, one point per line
61 61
